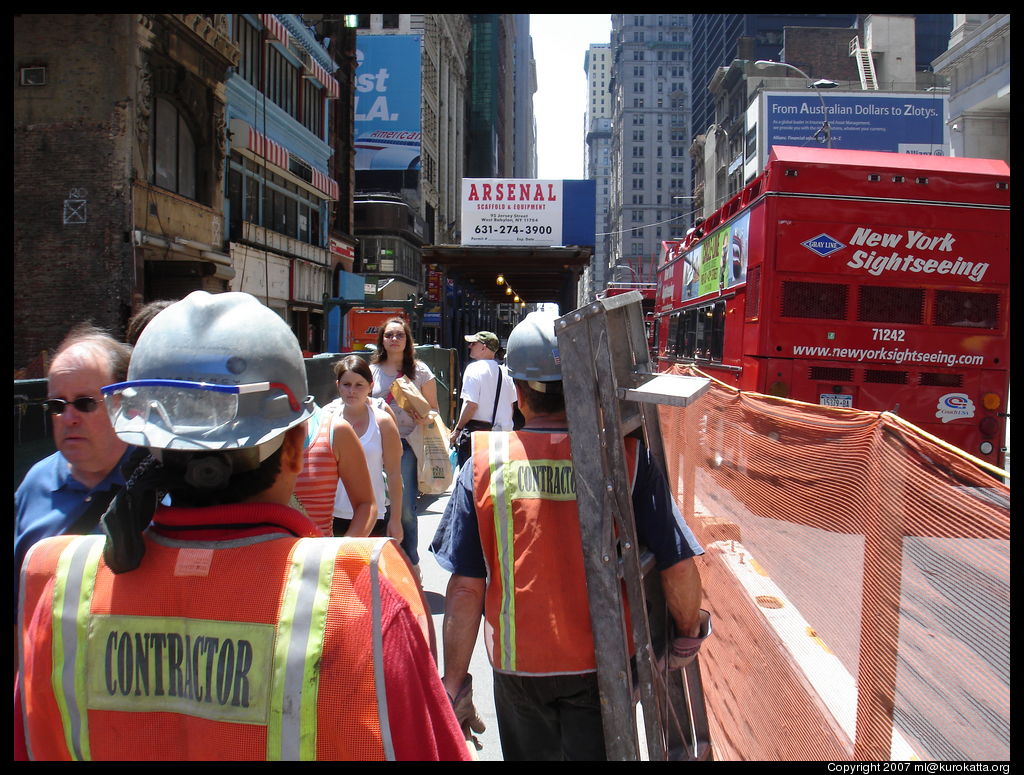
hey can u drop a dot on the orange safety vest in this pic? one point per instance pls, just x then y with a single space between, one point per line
248 649
536 608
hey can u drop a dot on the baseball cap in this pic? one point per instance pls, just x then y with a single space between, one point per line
488 338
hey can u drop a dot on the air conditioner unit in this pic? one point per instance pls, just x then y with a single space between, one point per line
33 76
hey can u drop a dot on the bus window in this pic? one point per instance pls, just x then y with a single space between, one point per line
673 329
687 343
701 333
717 333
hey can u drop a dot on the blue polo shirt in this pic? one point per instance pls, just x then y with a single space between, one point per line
49 500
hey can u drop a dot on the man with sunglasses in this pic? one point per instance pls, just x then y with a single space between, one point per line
68 491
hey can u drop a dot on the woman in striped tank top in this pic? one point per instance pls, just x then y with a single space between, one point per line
333 455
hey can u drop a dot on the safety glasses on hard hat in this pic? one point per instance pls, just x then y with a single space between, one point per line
181 404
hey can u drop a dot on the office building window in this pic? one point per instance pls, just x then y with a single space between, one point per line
313 108
269 200
250 45
282 78
172 150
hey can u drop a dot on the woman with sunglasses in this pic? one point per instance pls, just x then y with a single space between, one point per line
395 356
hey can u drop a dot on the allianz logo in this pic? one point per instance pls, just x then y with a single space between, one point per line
823 245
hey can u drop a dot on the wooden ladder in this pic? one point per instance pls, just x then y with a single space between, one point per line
611 392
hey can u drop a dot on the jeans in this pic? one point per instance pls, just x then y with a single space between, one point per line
410 491
549 718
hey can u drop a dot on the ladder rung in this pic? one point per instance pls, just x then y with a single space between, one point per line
647 561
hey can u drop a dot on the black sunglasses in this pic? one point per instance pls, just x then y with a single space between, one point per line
58 405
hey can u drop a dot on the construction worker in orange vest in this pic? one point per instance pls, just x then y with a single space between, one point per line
510 536
219 627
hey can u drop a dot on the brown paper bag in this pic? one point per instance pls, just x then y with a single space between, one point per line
434 466
408 396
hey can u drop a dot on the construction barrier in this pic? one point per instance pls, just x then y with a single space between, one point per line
858 570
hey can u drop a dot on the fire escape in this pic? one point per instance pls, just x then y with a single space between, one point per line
865 65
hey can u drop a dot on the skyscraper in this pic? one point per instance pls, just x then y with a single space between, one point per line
649 180
598 134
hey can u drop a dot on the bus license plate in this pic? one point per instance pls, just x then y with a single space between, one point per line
842 400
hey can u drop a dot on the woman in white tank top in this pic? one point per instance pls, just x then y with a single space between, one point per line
382 445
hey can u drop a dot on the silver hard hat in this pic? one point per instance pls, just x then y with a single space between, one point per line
532 350
211 372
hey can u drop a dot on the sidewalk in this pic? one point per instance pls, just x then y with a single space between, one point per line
429 509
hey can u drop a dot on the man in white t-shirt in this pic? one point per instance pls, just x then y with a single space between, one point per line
480 382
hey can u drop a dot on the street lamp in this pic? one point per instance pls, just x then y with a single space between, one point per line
821 83
636 277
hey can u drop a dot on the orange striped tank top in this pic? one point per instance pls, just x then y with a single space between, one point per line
318 482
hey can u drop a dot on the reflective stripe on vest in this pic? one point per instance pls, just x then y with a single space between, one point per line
291 733
501 498
72 595
298 645
378 654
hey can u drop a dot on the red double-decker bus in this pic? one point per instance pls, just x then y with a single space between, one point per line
876 281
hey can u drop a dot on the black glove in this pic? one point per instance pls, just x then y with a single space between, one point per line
684 649
465 712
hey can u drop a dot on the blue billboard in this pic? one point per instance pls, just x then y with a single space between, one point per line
387 110
859 121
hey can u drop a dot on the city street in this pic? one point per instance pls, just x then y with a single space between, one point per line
435 581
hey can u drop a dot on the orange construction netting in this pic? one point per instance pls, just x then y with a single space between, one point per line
859 574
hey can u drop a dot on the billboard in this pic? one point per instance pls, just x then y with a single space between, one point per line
717 263
860 121
526 211
387 109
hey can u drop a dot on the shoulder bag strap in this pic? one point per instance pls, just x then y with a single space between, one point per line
90 518
497 394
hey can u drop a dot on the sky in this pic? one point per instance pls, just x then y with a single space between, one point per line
560 42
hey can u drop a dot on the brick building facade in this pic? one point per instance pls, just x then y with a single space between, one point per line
118 152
